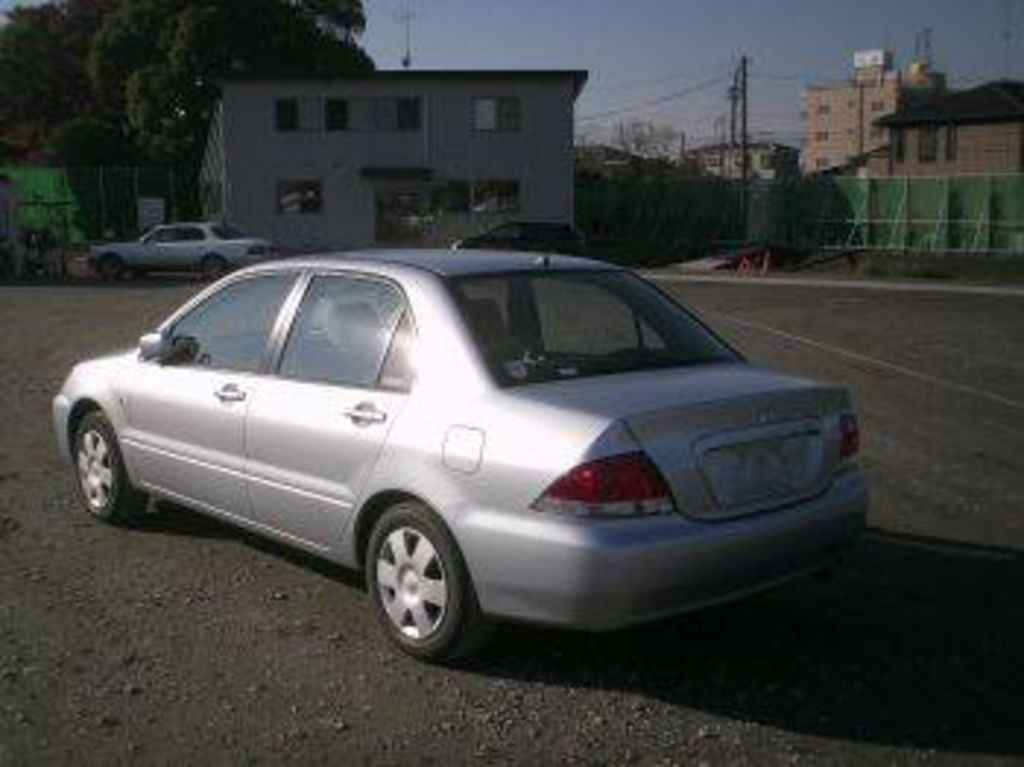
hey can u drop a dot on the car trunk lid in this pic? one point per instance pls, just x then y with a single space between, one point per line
730 439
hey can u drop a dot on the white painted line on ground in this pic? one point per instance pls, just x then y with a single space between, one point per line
851 284
943 383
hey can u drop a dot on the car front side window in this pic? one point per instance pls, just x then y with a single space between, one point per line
343 330
230 329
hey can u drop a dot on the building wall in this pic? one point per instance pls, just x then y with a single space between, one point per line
838 119
256 156
991 148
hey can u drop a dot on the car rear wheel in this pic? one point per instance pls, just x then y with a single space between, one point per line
419 585
213 266
110 266
103 483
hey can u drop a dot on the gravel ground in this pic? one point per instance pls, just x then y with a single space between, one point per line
185 642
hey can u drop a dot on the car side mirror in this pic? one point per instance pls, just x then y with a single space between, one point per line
153 346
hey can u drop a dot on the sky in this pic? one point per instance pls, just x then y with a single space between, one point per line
644 50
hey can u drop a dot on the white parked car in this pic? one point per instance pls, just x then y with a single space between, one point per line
207 247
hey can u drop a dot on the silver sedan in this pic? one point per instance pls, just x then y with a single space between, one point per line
488 436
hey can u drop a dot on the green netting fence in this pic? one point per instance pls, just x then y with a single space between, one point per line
673 220
76 205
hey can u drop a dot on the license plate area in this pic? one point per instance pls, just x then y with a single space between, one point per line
748 469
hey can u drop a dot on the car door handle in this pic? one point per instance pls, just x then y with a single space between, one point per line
229 393
364 414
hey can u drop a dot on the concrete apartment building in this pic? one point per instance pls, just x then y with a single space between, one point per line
840 119
768 160
953 133
391 157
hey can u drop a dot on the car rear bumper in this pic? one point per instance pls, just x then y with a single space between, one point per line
603 575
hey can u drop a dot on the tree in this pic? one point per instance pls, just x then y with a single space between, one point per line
146 72
43 80
90 141
646 139
159 61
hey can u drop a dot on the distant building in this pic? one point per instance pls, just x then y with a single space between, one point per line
840 118
768 160
601 161
950 133
391 157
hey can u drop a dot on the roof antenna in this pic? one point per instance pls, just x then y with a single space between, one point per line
406 16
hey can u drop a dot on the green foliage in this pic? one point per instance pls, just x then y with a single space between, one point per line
91 142
154 65
43 82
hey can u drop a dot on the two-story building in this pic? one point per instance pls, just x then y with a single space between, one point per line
391 157
953 133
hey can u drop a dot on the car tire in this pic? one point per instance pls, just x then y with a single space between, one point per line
213 266
109 267
102 480
423 597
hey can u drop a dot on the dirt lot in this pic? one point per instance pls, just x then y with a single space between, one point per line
186 642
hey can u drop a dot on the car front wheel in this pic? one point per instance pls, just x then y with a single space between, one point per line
103 483
420 587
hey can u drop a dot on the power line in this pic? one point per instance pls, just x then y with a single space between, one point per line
657 100
654 80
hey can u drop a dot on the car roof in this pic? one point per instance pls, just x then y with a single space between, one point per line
449 263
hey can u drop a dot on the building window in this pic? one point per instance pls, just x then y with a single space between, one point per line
495 197
821 135
300 197
876 132
336 115
899 144
824 109
877 106
408 118
951 147
286 115
500 115
384 115
767 162
821 163
927 144
452 197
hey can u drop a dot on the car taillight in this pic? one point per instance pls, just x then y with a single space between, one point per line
620 486
849 436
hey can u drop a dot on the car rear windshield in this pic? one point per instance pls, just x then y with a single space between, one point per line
549 325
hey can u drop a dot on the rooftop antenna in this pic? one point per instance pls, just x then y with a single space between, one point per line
1007 37
406 16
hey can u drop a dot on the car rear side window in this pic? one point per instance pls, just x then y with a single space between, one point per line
230 329
547 325
343 331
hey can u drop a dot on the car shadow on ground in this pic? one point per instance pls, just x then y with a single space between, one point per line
172 519
916 642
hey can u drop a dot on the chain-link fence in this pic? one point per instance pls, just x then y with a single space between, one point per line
662 221
76 205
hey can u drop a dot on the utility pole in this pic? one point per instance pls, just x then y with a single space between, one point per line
734 95
744 144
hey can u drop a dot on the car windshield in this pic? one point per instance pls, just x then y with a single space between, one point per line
549 325
224 232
